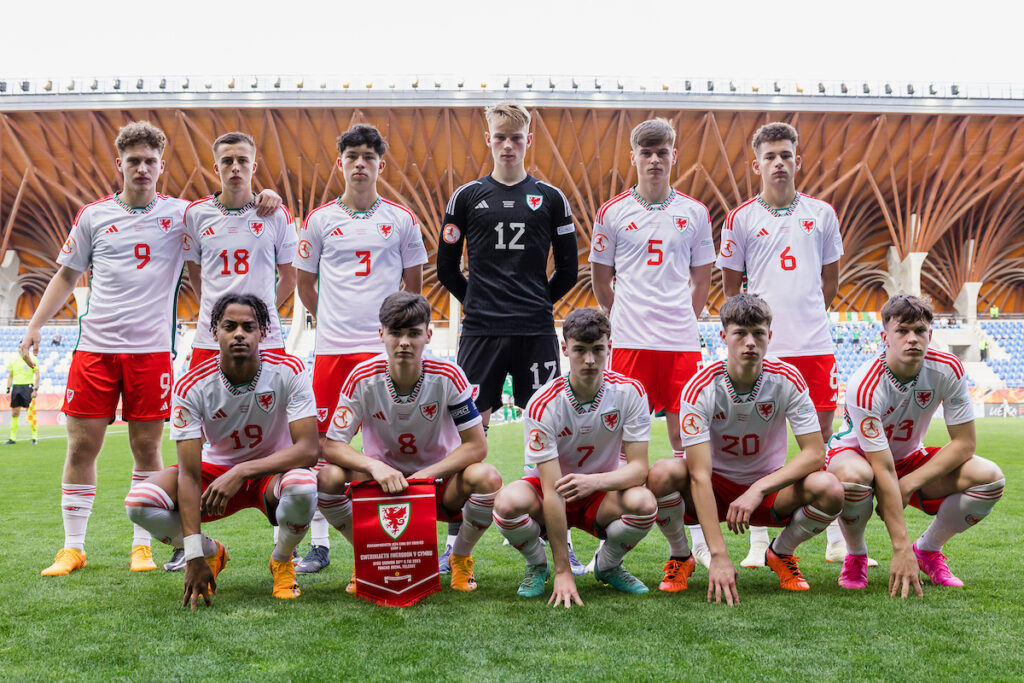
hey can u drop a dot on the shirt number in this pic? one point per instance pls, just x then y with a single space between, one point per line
654 249
787 260
364 261
906 428
552 367
142 253
750 444
241 257
517 234
407 442
254 434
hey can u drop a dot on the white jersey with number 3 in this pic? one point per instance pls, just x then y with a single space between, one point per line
238 252
882 412
360 257
652 248
586 438
782 253
748 432
136 255
242 423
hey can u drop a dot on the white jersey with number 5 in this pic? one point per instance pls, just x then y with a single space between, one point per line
360 257
652 248
238 252
882 412
136 255
747 432
782 252
407 432
586 438
246 422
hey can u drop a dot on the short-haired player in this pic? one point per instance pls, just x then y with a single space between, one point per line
878 452
245 427
575 427
418 421
733 417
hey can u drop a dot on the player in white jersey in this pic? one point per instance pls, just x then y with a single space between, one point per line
890 402
418 421
255 411
352 253
231 250
787 245
655 243
575 426
733 422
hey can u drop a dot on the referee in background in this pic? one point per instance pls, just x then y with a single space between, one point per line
22 385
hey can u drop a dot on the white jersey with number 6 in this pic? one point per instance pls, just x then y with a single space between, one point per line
782 252
359 256
242 423
748 432
136 255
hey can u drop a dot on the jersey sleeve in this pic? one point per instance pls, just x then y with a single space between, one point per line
301 403
76 253
602 244
186 416
461 405
414 253
703 250
695 418
957 407
192 246
310 244
347 417
563 247
539 438
449 247
832 240
285 240
867 425
637 420
803 418
731 254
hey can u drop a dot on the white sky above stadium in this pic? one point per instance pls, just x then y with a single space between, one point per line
894 40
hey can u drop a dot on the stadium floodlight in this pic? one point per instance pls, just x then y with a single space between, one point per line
94 85
462 82
711 86
776 86
732 87
932 91
954 90
301 83
867 89
24 86
755 89
888 88
529 84
231 83
163 84
508 80
255 83
390 85
369 84
3 86
208 85
138 84
185 84
910 88
575 85
277 83
664 86
799 89
71 85
620 85
844 88
551 83
345 85
416 83
597 84
821 87
437 84
48 86
687 85
117 84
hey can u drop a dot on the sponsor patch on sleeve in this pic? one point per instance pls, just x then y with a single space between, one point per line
567 229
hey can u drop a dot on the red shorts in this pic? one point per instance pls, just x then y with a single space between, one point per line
726 491
581 514
253 493
663 373
329 373
142 381
443 513
903 468
203 355
822 377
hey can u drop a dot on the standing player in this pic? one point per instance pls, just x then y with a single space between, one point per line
509 222
656 244
256 414
734 429
575 427
352 253
787 245
22 386
890 402
418 420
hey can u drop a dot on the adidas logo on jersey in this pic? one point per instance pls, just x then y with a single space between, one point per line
632 226
220 414
763 232
379 416
720 415
208 232
112 228
482 205
337 232
565 432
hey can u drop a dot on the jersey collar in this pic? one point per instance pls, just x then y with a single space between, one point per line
240 389
778 213
894 381
583 408
750 396
233 212
407 398
352 213
650 206
136 209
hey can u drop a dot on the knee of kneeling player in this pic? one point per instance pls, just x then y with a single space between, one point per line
827 490
667 475
639 501
485 478
508 504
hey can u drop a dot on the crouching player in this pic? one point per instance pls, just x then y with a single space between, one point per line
257 414
890 402
733 424
575 427
418 421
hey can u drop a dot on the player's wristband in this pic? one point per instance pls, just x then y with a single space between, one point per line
193 547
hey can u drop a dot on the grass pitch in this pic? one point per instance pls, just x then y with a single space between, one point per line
103 622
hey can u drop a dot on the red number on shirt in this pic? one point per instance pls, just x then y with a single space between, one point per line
364 259
408 444
253 432
587 451
654 249
750 444
787 260
906 428
142 253
241 262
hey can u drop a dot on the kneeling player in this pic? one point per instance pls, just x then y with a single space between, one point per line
575 427
258 417
418 422
733 423
890 402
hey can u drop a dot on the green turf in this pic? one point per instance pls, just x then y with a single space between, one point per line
104 622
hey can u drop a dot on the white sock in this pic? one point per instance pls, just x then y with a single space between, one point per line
523 534
140 535
697 535
853 519
337 510
296 492
76 506
476 517
833 534
622 536
670 521
758 534
318 530
807 522
150 507
960 512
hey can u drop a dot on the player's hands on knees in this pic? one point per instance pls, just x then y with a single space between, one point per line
722 581
741 510
199 581
564 591
390 479
219 493
29 346
574 487
904 575
267 203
